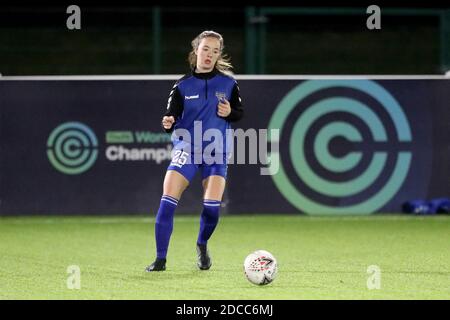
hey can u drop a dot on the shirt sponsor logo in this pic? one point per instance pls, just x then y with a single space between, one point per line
191 97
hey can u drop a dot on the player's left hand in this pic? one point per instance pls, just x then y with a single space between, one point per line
223 108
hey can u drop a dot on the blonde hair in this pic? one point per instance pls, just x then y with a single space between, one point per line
223 63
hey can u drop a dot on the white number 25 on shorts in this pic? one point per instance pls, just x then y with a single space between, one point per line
179 158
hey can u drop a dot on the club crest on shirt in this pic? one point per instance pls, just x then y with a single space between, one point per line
220 95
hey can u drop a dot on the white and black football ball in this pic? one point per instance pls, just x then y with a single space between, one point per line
260 267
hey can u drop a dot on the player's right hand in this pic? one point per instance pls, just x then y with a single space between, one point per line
167 122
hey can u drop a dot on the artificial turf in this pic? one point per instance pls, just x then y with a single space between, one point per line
318 257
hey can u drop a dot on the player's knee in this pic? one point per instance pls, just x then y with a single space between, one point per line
174 187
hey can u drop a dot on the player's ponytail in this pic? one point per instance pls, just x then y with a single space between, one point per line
223 63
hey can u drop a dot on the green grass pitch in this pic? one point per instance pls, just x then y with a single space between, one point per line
318 257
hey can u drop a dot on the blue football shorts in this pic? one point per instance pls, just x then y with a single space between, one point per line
185 163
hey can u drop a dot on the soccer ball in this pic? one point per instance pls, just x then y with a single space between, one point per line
260 267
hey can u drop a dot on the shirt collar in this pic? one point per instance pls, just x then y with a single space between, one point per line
206 75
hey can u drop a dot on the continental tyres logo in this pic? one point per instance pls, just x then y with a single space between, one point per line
348 146
72 148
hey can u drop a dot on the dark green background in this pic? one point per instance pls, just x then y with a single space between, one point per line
119 40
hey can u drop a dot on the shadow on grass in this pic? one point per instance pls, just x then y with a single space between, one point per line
169 275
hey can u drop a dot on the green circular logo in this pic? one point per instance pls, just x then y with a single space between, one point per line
333 129
72 148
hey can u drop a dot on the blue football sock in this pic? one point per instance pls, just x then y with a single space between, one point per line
164 225
208 220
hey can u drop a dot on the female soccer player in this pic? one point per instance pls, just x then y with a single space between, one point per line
205 100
